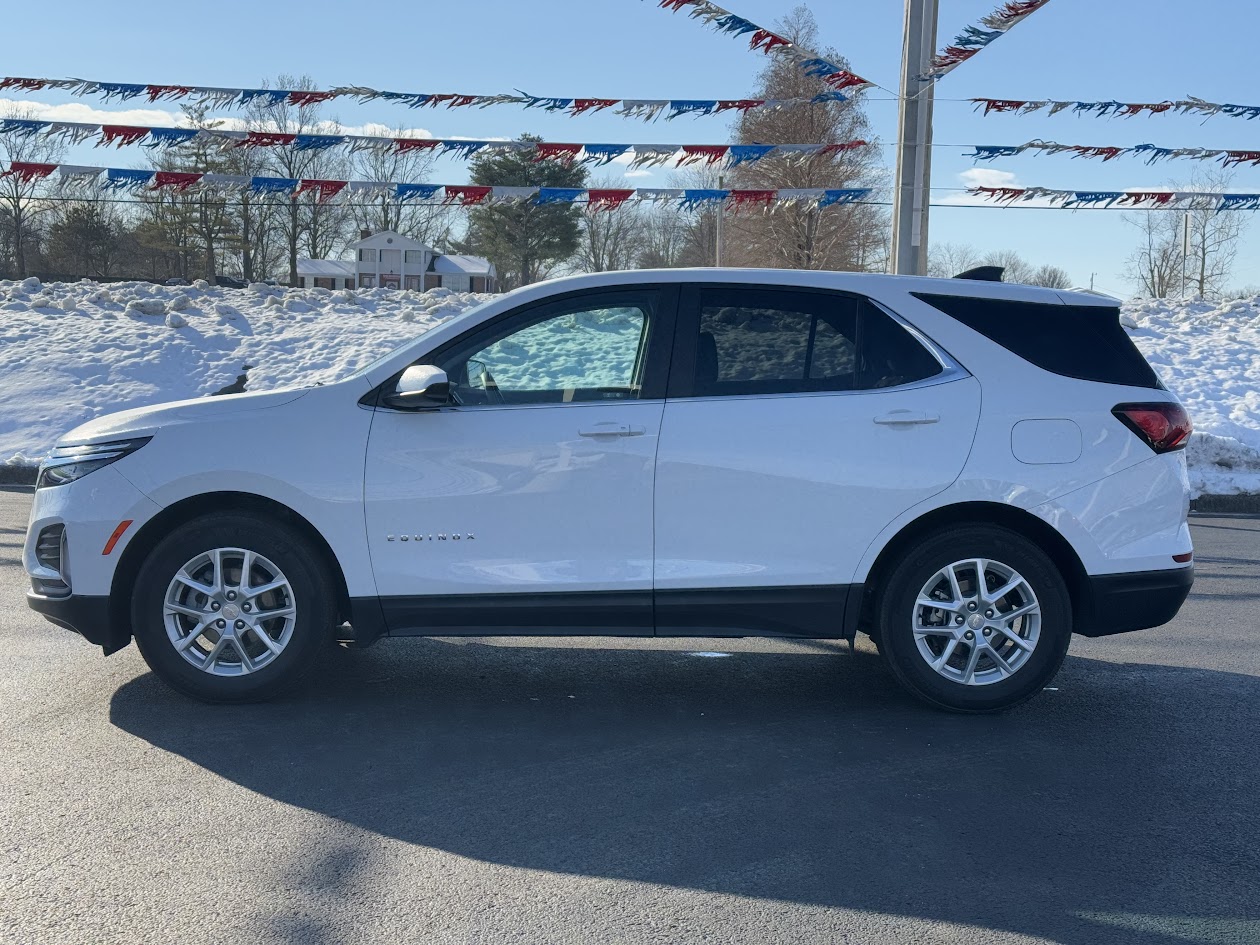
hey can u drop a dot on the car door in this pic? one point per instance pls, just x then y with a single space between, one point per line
525 504
798 424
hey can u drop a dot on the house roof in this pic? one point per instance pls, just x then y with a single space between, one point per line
383 239
468 265
325 268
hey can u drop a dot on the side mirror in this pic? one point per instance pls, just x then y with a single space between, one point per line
421 385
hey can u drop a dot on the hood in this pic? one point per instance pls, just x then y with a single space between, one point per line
145 420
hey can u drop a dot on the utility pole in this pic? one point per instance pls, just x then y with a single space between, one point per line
914 148
1185 252
721 211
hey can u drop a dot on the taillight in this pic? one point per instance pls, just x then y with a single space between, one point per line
1163 427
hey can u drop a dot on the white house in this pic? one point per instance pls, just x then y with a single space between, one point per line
390 260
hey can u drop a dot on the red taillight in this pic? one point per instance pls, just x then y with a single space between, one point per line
1163 427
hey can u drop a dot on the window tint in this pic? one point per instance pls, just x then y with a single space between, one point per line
1086 342
559 354
776 341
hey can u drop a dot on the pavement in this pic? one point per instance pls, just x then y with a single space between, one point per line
655 791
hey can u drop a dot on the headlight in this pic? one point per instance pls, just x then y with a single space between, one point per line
68 463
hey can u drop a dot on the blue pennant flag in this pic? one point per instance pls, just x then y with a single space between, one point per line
1239 202
268 97
316 142
120 90
21 127
974 38
558 194
410 99
546 103
691 107
849 195
406 192
820 67
121 179
598 154
272 185
170 137
463 149
1091 198
1152 153
692 199
747 153
987 152
831 95
735 25
1241 111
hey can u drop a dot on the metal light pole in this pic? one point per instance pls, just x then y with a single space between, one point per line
914 149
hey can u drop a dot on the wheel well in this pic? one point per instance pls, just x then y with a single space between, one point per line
171 517
972 513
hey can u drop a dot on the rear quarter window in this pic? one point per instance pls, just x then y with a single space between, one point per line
1086 342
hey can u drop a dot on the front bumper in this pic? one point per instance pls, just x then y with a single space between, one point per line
90 617
1120 603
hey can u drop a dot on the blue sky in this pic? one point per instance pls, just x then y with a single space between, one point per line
1072 49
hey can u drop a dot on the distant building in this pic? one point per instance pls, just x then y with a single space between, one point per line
390 260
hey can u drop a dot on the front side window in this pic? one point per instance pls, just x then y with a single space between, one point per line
565 352
778 341
367 255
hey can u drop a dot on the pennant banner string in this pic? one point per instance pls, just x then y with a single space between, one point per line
1149 152
1120 199
322 191
772 44
643 109
1110 109
640 155
975 38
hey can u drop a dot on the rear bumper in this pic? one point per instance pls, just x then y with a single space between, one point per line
1120 603
87 616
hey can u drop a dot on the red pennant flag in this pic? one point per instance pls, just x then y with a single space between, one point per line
1157 197
266 139
26 85
1106 153
458 100
302 99
708 153
1000 194
403 145
752 198
952 56
1241 157
767 41
327 188
1000 104
604 199
167 91
435 100
582 105
844 80
178 180
26 171
676 5
121 135
564 153
740 104
467 194
841 147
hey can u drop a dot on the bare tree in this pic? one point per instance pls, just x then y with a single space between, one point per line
21 208
611 239
849 237
426 222
1051 277
1214 236
664 236
950 259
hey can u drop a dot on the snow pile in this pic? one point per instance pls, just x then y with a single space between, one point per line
74 351
1208 353
71 352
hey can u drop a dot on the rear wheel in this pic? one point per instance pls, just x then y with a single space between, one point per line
228 608
976 619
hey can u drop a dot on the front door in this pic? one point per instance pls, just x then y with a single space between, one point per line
527 503
798 425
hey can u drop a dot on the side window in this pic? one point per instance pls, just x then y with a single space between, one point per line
780 341
566 352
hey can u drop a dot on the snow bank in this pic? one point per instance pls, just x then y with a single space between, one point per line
72 352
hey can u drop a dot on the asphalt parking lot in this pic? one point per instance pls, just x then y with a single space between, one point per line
603 791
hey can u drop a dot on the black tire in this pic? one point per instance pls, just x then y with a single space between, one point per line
896 610
279 543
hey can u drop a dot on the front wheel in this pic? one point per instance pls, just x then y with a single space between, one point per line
976 619
230 608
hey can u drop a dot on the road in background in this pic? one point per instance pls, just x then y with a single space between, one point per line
608 791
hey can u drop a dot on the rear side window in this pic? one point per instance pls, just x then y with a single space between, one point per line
1086 342
780 341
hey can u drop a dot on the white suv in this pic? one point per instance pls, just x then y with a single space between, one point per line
967 471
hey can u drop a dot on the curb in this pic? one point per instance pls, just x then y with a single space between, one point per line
1245 504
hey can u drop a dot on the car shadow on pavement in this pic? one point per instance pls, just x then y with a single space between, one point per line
1116 807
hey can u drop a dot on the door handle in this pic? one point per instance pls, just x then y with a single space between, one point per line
612 429
907 418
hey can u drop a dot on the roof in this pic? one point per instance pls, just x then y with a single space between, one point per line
383 239
325 268
468 265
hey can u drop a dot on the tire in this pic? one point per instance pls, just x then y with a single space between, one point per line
166 609
1004 672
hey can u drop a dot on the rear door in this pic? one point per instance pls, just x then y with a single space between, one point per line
798 424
